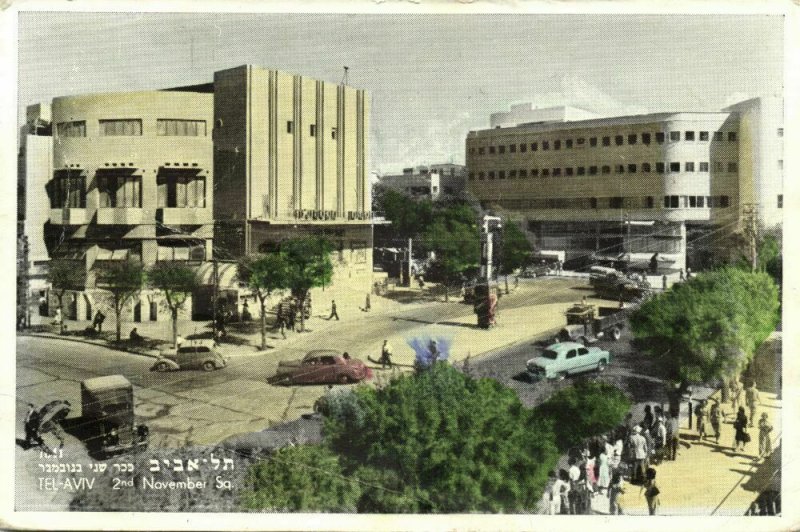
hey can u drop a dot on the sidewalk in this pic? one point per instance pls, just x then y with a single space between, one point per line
709 479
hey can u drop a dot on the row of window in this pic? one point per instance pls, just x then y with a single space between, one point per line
132 127
659 168
172 192
619 140
616 202
312 130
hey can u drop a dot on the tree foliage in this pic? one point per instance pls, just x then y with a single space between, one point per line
409 216
264 274
709 327
63 275
515 249
588 408
176 281
123 280
308 266
454 239
440 441
303 478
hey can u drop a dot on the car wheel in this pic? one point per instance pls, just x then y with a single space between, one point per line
616 333
343 379
209 366
162 366
601 366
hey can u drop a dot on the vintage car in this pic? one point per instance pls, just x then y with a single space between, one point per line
565 358
191 354
322 366
107 416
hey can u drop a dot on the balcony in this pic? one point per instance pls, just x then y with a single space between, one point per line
119 216
68 216
184 215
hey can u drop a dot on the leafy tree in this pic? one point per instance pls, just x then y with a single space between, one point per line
309 265
453 237
587 409
770 258
123 280
515 249
303 478
441 441
709 327
264 274
409 216
63 275
176 281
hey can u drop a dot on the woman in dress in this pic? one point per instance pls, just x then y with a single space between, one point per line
740 425
604 475
715 417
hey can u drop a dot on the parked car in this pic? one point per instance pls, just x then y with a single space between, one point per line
191 354
566 358
107 416
322 366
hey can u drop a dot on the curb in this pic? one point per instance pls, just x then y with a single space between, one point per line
88 342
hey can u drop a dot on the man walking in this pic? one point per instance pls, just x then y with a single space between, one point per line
334 314
751 398
386 355
99 318
639 451
674 438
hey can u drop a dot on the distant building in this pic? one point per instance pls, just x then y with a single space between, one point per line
527 113
633 185
433 181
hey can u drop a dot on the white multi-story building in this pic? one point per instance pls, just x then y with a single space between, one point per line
633 185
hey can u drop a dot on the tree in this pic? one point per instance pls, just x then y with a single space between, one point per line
308 266
515 249
123 280
409 216
453 238
589 408
176 281
441 441
707 328
264 274
63 275
303 478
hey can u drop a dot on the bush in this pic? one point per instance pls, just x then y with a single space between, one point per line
304 478
587 409
440 441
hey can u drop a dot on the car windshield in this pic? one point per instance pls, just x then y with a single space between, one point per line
549 353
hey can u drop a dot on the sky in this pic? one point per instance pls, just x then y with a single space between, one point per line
431 78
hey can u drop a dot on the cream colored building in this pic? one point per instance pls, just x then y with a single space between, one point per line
632 185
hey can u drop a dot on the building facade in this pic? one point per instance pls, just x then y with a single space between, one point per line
634 185
290 156
434 181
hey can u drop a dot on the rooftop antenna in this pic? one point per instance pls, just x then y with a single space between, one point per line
344 78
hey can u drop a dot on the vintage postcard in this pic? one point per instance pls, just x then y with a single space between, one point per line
380 266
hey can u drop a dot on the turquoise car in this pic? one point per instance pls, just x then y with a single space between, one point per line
558 360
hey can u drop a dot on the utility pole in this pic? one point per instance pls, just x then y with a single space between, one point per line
751 232
486 267
215 279
410 240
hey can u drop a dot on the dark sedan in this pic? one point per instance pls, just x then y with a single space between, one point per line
322 367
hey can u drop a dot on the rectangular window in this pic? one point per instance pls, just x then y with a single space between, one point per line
733 167
646 167
545 145
71 129
693 201
491 174
704 136
581 170
632 138
780 201
545 172
689 167
671 202
121 128
557 145
593 141
120 191
645 138
606 141
512 148
704 167
581 141
335 133
523 147
492 150
649 202
69 192
731 136
606 169
569 171
688 135
674 167
556 172
181 191
290 127
701 202
718 166
615 202
718 135
660 137
501 174
592 170
569 143
620 168
631 168
512 174
312 130
660 168
534 146
481 176
535 172
724 202
618 140
481 151
167 127
502 149
523 173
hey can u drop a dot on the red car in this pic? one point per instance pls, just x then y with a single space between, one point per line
322 366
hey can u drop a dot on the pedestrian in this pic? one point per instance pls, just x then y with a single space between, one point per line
135 337
736 394
742 437
553 494
752 398
604 474
654 263
179 340
591 476
688 273
647 422
386 355
664 282
715 418
638 446
681 274
433 348
574 478
99 318
614 491
651 491
334 314
585 492
660 437
367 304
764 441
564 490
615 458
629 424
246 312
700 414
58 318
32 419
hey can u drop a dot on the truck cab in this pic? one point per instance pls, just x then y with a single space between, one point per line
107 411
